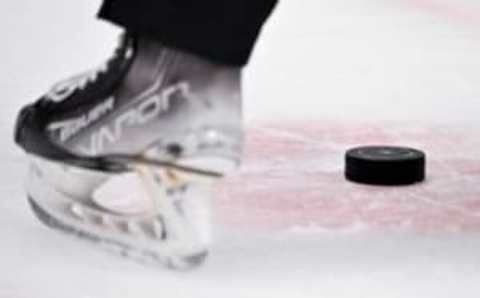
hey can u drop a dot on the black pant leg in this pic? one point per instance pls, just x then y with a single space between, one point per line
220 30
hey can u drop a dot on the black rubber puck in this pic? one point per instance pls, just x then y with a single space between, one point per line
385 165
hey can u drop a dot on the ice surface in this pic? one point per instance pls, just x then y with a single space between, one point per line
293 177
326 75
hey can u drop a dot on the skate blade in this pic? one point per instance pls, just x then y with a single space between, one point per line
145 256
128 236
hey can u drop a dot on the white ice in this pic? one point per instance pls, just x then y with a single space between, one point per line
401 61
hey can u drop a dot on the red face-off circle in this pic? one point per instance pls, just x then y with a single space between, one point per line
293 177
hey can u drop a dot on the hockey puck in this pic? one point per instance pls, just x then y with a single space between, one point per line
385 165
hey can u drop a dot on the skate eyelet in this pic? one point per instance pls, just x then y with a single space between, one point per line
175 149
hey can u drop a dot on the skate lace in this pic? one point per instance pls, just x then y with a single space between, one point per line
68 87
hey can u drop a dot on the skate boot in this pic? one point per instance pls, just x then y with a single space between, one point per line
125 156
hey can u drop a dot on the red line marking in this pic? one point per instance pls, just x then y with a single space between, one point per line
448 10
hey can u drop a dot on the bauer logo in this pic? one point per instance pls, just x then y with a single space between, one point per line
69 128
143 113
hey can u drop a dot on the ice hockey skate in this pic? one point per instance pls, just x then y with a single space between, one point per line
126 155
